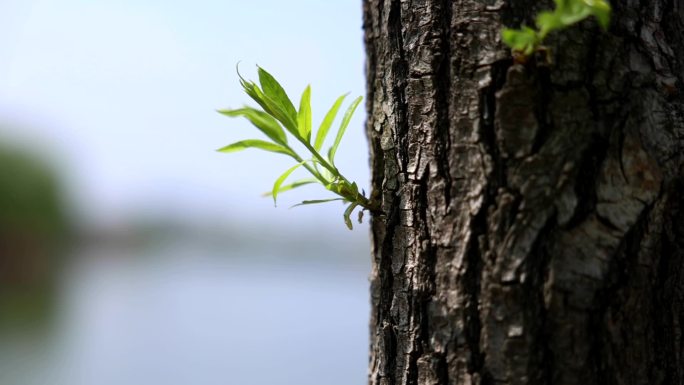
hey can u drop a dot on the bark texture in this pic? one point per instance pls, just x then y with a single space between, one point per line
533 216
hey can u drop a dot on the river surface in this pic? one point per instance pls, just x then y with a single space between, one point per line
179 316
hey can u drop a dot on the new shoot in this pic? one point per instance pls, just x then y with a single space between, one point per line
282 123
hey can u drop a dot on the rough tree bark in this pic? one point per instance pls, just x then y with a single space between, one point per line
533 216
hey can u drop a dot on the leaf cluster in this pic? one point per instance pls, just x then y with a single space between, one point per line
280 121
527 40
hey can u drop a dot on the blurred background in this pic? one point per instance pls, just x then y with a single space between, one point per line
133 253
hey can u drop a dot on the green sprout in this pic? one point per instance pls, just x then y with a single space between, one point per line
525 41
277 119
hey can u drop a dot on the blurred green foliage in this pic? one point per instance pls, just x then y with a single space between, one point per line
33 227
526 40
29 194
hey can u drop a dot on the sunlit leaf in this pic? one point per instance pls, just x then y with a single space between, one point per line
577 14
254 143
343 126
601 10
521 40
275 92
566 13
276 110
355 189
279 182
326 174
293 185
327 122
278 117
548 22
251 89
334 187
304 115
317 201
347 215
261 120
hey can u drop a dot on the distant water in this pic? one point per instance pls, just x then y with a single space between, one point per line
180 316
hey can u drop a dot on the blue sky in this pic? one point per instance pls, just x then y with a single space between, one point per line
121 96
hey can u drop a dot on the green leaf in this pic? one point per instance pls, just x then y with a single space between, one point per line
304 115
275 92
576 14
548 22
281 179
343 126
601 10
261 120
521 40
566 13
255 143
316 201
292 186
334 187
355 190
253 91
274 109
327 122
326 174
347 215
278 117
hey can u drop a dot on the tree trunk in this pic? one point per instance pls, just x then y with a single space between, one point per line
533 216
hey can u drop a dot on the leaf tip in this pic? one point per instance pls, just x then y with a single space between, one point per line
237 69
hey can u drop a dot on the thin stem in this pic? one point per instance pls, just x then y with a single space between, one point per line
358 198
306 166
322 160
